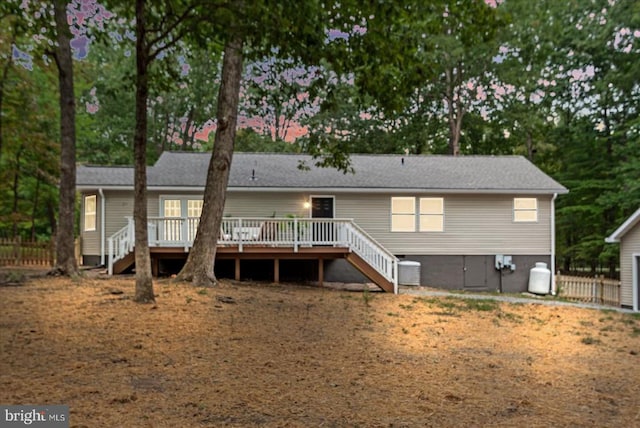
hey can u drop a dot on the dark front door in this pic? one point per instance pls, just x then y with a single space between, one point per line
322 207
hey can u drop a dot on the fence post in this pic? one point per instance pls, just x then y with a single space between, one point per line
17 250
77 245
601 288
52 251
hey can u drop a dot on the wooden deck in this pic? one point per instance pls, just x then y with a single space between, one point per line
264 239
274 254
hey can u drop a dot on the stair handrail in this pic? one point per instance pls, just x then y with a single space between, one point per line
120 244
374 253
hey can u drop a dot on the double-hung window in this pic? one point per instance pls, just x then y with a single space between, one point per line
425 216
525 209
194 210
90 204
431 214
403 214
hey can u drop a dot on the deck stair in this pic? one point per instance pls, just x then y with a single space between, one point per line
367 270
124 263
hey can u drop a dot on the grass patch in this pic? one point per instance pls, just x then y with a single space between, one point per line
590 340
508 316
367 297
454 305
483 305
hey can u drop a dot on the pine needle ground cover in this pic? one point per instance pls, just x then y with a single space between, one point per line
256 354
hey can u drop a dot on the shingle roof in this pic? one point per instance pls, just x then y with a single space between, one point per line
96 176
625 227
375 172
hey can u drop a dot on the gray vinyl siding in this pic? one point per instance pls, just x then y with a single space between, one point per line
265 204
473 225
154 204
119 205
629 244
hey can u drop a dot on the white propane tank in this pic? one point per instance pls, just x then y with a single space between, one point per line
539 279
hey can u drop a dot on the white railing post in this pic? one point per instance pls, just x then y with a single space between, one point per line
110 262
240 235
394 267
131 233
295 234
184 231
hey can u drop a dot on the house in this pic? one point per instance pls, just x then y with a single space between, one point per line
472 222
628 235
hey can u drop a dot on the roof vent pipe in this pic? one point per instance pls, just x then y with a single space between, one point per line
253 174
402 161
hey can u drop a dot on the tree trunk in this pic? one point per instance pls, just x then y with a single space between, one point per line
144 281
3 81
15 214
453 115
530 150
65 251
34 211
199 266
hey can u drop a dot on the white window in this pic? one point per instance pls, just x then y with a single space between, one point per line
194 210
403 214
525 209
431 215
175 225
90 204
194 207
172 209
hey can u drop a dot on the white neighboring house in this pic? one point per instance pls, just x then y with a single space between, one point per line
628 235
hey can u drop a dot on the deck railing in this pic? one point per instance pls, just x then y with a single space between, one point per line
274 232
120 244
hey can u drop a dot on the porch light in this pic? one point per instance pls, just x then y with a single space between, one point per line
307 204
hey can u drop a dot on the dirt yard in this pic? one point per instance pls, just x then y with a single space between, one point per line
246 355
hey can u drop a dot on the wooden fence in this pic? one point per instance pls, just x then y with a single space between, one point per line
595 289
16 252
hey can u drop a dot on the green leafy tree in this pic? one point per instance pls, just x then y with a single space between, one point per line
66 263
262 28
279 94
416 68
159 27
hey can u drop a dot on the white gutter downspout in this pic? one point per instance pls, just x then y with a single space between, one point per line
553 244
103 201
